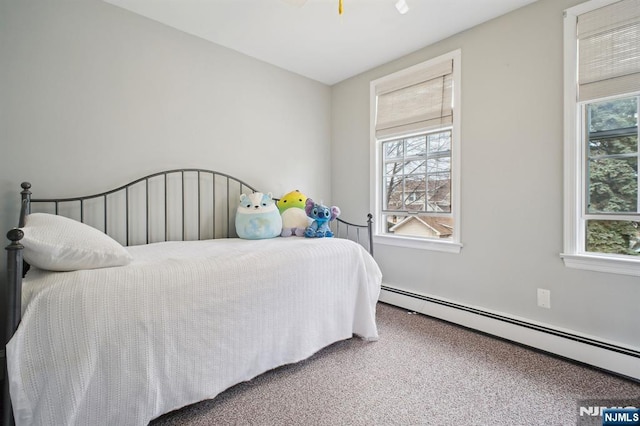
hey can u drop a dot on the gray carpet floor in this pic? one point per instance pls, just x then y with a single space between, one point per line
422 371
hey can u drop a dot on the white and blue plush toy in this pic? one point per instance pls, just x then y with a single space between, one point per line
257 217
321 215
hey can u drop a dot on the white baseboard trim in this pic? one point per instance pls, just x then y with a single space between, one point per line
615 358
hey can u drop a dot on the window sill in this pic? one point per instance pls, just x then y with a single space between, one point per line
602 263
418 243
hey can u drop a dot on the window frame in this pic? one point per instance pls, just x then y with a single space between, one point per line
574 252
454 244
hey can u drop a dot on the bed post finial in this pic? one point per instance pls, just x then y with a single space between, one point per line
14 235
25 193
370 230
26 186
26 203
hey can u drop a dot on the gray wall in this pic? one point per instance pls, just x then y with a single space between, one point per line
512 182
93 96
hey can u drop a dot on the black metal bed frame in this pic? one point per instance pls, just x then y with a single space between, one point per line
231 186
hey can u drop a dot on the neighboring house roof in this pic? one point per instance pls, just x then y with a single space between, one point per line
440 226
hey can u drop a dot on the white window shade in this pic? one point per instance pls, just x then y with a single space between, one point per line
609 50
416 103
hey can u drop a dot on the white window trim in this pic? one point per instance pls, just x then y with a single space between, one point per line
574 255
450 246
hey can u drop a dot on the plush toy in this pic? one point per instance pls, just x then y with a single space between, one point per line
321 216
294 217
257 217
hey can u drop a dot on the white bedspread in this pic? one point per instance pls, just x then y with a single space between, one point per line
180 324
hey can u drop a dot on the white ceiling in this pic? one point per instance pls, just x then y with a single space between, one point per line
313 39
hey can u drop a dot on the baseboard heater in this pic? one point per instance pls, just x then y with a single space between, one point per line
623 361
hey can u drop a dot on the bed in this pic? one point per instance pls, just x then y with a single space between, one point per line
175 308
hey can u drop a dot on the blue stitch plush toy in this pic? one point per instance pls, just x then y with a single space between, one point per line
257 217
321 216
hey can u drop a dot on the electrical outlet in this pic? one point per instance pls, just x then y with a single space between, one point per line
544 298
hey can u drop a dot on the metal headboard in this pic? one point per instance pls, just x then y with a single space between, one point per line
164 192
212 219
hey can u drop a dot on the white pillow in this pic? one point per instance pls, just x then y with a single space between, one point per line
57 243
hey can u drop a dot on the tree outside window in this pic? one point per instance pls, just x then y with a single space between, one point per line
612 176
417 181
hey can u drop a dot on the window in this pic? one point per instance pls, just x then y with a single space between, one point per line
602 103
415 154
